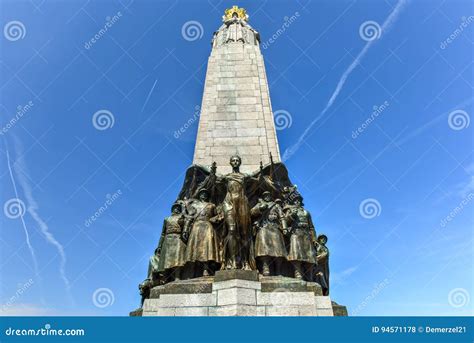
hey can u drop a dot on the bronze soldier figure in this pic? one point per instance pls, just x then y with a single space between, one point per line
301 253
202 247
322 255
172 248
269 240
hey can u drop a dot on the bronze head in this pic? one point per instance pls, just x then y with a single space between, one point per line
322 239
203 194
298 201
235 161
267 196
176 208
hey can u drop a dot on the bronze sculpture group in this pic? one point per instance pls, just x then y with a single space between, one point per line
238 221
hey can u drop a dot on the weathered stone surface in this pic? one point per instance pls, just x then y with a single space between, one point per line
150 305
193 286
281 311
236 283
325 312
186 300
236 90
234 310
192 312
137 313
323 302
223 275
339 310
166 311
285 298
236 296
239 293
281 284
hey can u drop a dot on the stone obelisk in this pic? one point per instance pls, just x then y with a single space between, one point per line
236 112
238 241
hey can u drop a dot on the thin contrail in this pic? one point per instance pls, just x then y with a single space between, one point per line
384 28
20 168
25 229
149 94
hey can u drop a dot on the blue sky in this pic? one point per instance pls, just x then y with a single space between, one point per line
412 159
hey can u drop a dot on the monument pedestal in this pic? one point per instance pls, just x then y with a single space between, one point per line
239 293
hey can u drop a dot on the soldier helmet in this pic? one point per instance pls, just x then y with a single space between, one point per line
176 204
324 237
266 193
297 196
203 190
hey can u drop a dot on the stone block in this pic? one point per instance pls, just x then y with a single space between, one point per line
250 132
339 310
252 152
244 86
192 312
150 305
233 310
220 285
192 286
227 73
324 312
227 108
285 298
136 313
233 124
261 311
221 115
236 296
307 311
226 101
187 300
225 87
282 284
224 133
248 115
323 302
166 312
149 314
236 142
283 311
224 275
